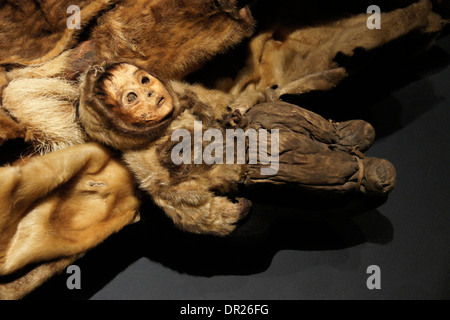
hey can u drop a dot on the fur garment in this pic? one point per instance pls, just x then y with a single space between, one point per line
171 37
295 58
63 211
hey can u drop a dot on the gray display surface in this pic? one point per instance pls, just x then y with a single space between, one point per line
294 246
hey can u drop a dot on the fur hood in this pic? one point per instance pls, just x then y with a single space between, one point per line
102 126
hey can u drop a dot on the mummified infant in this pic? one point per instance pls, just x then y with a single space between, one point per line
132 110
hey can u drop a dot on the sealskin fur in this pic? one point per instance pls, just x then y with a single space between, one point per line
62 211
170 37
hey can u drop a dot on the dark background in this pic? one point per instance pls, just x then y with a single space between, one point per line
295 246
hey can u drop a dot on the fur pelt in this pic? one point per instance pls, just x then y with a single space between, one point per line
10 129
63 210
17 287
171 37
296 58
46 107
35 31
43 102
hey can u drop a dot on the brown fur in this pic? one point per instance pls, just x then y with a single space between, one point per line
17 287
9 129
170 37
193 196
3 82
300 58
44 104
35 31
64 210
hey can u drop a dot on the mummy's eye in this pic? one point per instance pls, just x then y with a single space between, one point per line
145 80
131 97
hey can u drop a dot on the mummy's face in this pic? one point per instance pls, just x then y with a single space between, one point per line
136 96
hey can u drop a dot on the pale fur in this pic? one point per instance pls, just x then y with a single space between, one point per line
46 107
65 209
45 104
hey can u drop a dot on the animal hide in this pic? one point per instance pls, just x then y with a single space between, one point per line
295 57
34 31
59 206
289 54
172 37
10 129
43 101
